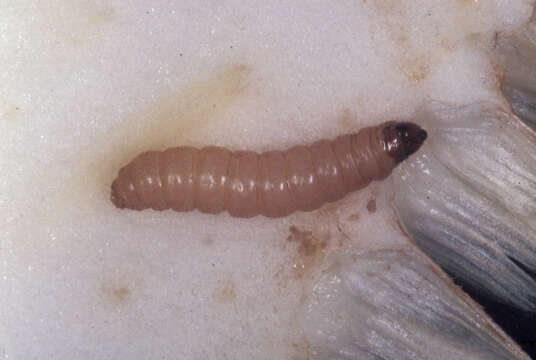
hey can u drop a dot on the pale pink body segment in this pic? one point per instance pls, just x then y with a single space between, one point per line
274 183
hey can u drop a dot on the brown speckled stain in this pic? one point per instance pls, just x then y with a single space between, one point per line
354 217
225 292
347 120
304 251
302 350
371 206
308 244
9 112
207 241
415 69
116 294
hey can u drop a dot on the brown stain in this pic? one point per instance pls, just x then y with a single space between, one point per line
101 16
116 294
309 251
171 119
406 51
347 120
168 121
190 108
207 241
9 112
224 292
74 23
308 244
354 217
371 205
500 73
302 351
447 45
416 69
402 228
82 20
408 57
495 40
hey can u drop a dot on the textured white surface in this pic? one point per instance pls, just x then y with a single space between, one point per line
357 305
477 214
87 85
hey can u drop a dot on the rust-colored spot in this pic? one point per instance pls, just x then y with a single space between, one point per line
207 241
302 350
310 250
308 244
500 73
416 69
116 294
347 119
76 21
8 112
225 292
354 217
400 226
447 44
371 205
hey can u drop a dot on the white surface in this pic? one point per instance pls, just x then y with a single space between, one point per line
87 85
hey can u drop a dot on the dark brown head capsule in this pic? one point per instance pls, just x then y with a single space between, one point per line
401 139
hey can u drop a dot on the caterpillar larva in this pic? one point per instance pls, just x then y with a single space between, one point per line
274 183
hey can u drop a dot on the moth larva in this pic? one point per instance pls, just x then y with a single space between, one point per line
274 183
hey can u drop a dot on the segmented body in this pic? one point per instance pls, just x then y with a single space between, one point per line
274 183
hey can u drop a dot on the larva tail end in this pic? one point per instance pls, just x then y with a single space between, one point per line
401 139
115 196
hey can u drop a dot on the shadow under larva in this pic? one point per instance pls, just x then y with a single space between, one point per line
274 183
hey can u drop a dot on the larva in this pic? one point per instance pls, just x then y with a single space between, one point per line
274 183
